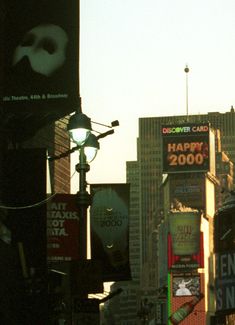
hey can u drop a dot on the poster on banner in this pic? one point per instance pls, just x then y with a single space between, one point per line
110 229
62 228
40 56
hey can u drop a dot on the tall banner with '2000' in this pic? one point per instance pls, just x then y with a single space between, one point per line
110 229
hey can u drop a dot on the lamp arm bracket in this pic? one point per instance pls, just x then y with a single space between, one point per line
63 154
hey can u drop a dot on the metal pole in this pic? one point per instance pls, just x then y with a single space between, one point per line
84 202
186 70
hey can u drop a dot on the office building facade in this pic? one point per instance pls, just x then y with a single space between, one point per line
150 196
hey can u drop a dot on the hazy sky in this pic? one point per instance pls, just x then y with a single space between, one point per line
132 59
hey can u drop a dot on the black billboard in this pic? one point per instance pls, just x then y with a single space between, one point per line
40 57
185 148
110 230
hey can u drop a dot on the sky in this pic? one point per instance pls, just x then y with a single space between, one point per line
132 59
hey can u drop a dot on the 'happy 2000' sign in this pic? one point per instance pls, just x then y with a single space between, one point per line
185 148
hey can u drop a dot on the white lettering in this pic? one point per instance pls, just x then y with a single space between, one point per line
230 297
219 301
231 264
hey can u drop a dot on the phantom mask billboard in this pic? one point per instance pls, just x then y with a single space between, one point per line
40 57
185 148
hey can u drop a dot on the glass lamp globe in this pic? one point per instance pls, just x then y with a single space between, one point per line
91 147
79 128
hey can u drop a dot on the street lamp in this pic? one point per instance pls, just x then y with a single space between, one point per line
79 128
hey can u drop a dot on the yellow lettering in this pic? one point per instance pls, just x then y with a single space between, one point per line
171 147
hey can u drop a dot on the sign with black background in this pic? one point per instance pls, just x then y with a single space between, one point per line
110 229
185 148
40 60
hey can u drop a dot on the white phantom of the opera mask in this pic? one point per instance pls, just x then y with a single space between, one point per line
45 47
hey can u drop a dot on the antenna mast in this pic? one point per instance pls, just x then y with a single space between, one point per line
186 70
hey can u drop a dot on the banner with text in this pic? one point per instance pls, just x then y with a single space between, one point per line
62 228
40 56
110 229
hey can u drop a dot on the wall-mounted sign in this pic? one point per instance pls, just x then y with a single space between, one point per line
40 57
185 241
185 148
190 190
185 284
225 280
185 231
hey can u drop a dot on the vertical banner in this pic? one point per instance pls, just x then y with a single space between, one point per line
110 229
62 228
40 56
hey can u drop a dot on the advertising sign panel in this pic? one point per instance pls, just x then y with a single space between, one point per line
40 56
225 280
62 228
185 284
185 231
190 190
185 241
110 229
185 148
179 262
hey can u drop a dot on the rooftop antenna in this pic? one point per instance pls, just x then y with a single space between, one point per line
186 70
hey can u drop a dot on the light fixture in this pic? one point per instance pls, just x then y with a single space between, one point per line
79 128
91 147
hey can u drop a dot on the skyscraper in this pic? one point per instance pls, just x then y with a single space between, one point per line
148 169
150 161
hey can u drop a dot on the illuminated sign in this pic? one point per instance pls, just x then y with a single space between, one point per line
185 148
185 129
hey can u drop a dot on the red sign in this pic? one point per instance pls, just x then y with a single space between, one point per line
62 228
179 262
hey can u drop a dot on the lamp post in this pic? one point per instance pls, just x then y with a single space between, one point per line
79 128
